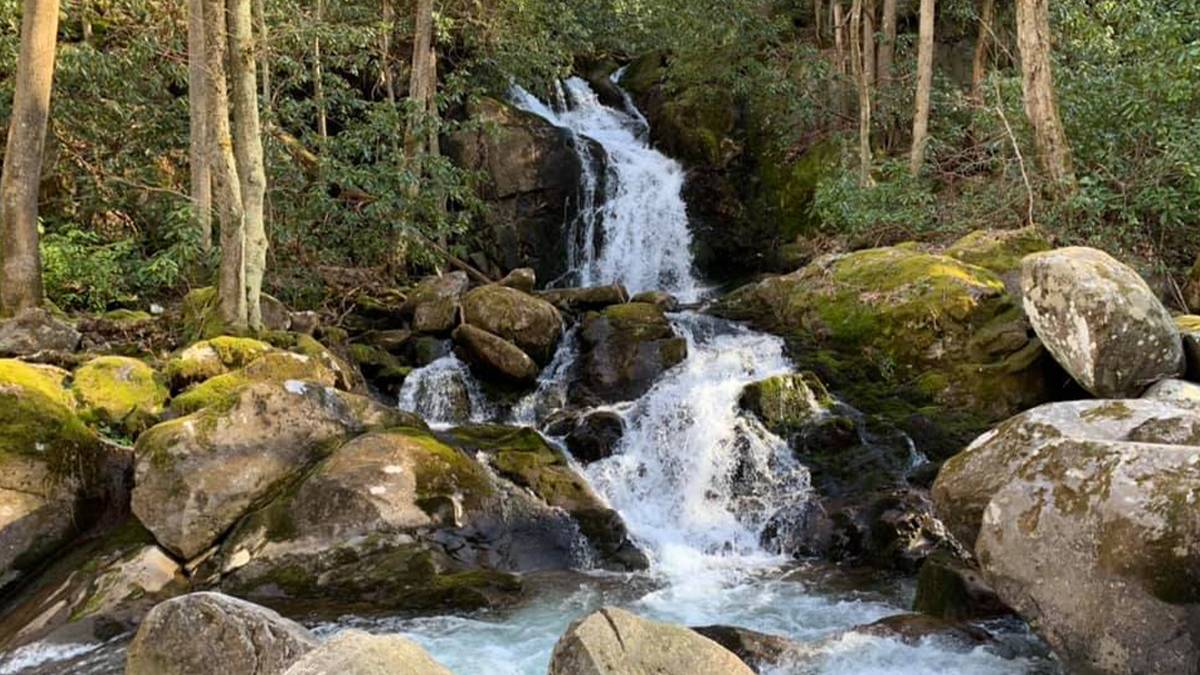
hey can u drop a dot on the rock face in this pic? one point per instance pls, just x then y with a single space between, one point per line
36 330
495 357
532 188
120 391
197 475
1078 508
214 634
530 323
595 437
433 304
615 642
1101 321
354 652
625 348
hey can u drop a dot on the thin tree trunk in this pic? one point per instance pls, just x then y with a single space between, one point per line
861 68
85 20
318 83
248 152
1033 36
21 281
231 284
420 89
887 45
199 153
868 44
839 52
983 47
819 21
920 136
385 49
264 42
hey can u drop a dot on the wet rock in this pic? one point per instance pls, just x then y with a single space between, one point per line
786 404
913 629
595 437
274 367
614 641
433 304
969 480
1101 321
197 475
763 652
950 589
354 652
494 357
1097 544
120 392
36 330
214 634
523 279
592 298
661 299
423 350
625 349
529 322
210 358
379 367
391 341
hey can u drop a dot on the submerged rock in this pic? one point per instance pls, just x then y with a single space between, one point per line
37 330
912 629
214 634
353 652
613 641
595 437
494 357
433 304
120 391
1101 321
529 322
625 349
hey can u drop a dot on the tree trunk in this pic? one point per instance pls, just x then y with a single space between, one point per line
318 77
819 21
1033 37
247 145
264 42
868 44
199 153
231 284
861 69
21 281
920 136
385 49
983 46
887 45
838 83
423 81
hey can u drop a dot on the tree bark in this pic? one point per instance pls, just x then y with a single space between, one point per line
423 80
231 284
1041 106
248 152
861 69
318 78
21 280
199 153
819 21
983 47
385 49
887 45
868 44
264 42
920 136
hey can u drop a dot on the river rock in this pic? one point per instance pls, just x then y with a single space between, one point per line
197 475
763 652
36 330
523 279
1101 321
210 358
969 480
661 299
275 367
613 641
353 652
494 357
625 348
949 588
913 629
1180 392
121 392
786 404
433 304
595 437
1097 544
592 298
214 634
529 322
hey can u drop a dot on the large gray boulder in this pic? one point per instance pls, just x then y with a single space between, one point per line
37 330
214 634
529 322
353 652
1097 544
196 476
433 304
625 348
613 641
1100 321
494 357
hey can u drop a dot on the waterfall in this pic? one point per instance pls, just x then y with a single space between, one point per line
445 393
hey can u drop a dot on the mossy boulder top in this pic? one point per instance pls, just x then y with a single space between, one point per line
999 251
120 391
276 367
529 322
786 403
210 358
1101 321
196 476
433 304
625 348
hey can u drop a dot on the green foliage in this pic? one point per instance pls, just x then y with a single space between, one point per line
897 201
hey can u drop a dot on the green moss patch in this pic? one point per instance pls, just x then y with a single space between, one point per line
120 391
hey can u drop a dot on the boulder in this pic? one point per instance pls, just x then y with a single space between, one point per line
274 367
624 349
786 404
950 589
353 652
36 330
494 357
1097 544
214 634
1100 321
969 481
595 437
120 392
661 299
197 476
1180 392
210 358
379 367
1001 251
433 304
529 322
613 641
591 298
523 279
763 652
913 629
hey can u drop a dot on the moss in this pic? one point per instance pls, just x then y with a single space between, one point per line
216 356
786 403
44 380
442 470
120 391
199 317
694 124
644 73
37 420
1000 251
786 187
127 316
1111 410
276 367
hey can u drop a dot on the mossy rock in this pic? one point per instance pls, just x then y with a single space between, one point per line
785 189
127 316
644 73
121 392
38 420
210 358
697 125
200 316
1000 251
786 403
277 367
